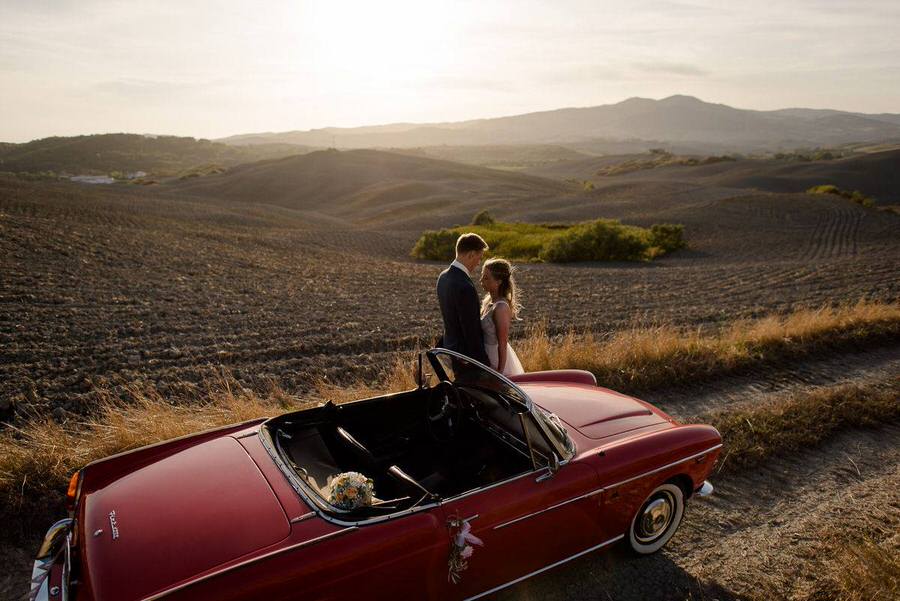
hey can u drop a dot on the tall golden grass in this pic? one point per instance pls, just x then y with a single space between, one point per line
864 571
39 457
640 358
791 423
399 376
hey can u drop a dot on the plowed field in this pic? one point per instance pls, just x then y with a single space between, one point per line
110 286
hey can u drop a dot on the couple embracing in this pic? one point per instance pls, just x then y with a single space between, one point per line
479 329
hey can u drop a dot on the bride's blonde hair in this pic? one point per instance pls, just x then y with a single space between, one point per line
502 271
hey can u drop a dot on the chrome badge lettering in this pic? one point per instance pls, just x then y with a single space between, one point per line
113 526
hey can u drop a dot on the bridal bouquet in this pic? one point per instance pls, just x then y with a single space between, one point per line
351 490
460 548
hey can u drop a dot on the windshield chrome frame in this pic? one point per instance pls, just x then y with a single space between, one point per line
564 452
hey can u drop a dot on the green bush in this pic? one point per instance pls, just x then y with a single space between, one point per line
667 236
824 189
600 240
855 196
483 218
437 245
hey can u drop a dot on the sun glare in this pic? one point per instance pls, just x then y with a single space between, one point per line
381 43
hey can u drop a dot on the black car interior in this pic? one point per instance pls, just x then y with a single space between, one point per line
416 446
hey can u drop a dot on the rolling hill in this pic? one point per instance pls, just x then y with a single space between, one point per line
876 174
371 184
105 153
684 120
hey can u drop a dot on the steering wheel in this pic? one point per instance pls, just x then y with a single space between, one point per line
442 412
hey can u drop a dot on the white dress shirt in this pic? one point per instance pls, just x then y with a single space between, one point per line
465 269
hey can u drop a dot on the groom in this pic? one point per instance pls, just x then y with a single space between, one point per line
458 298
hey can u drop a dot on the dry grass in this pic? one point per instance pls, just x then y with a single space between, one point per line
865 571
641 358
751 435
38 457
399 376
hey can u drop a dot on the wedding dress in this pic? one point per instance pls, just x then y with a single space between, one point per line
513 366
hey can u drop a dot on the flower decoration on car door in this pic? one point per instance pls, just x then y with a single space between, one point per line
461 549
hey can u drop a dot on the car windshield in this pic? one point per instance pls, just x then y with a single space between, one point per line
467 373
463 371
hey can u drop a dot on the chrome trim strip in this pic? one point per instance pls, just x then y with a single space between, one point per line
545 568
303 517
546 509
665 467
247 562
599 490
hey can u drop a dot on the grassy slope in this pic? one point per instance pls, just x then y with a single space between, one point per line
105 153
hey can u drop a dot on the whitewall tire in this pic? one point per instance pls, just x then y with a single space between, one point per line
656 519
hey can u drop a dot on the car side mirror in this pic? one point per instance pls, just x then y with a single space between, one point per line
552 468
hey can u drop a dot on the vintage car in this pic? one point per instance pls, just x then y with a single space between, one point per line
479 482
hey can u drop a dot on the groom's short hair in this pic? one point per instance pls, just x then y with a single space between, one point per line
470 242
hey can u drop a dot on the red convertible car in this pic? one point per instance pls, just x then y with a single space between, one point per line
459 488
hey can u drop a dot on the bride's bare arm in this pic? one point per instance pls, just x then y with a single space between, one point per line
502 318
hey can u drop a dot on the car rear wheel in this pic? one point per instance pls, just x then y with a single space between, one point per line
657 519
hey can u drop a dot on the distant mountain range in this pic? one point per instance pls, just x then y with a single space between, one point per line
683 123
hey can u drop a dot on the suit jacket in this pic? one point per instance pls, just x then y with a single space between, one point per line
461 311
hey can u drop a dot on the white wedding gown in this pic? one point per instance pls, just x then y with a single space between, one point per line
513 366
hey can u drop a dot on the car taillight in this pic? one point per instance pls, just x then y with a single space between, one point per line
72 493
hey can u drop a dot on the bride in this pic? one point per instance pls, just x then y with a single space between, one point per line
499 307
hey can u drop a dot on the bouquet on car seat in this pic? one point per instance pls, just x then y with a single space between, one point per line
351 490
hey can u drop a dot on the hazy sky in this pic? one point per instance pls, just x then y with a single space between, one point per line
210 69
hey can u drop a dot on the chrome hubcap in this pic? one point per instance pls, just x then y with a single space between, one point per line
655 518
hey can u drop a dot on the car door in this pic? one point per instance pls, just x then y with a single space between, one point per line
526 523
400 558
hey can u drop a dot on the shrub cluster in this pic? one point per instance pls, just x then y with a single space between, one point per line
598 240
855 196
483 218
661 158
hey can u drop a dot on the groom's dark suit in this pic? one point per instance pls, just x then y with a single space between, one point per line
462 315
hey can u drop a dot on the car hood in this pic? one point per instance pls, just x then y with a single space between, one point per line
176 518
595 412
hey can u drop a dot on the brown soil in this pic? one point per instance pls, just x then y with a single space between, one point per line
110 286
877 173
